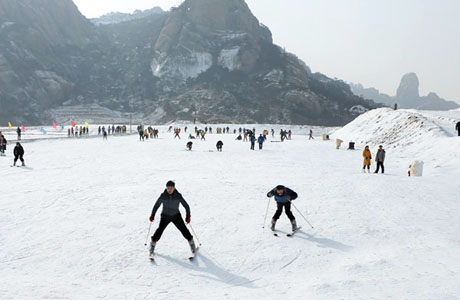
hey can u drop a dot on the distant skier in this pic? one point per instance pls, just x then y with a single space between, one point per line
253 142
380 159
219 146
19 132
171 199
311 135
239 137
458 127
367 159
141 135
283 198
3 143
18 154
273 132
261 141
396 106
176 133
189 146
104 135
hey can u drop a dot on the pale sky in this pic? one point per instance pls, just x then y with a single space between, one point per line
372 42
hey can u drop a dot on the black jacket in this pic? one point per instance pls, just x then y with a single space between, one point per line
171 204
458 126
219 144
18 151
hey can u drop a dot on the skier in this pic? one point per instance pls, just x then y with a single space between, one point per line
239 137
379 159
18 154
219 146
458 128
253 142
283 198
203 135
2 144
104 135
245 136
141 135
189 146
311 135
261 141
171 199
176 133
19 131
273 132
367 159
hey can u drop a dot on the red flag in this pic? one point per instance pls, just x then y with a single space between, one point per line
54 125
23 128
73 124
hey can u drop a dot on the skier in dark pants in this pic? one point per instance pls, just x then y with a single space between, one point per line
283 198
261 141
380 159
19 132
219 146
253 142
458 128
18 154
171 199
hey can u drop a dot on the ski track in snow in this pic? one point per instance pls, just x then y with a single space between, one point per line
74 225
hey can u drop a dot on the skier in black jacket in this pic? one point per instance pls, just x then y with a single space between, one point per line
171 199
18 154
283 198
219 146
458 128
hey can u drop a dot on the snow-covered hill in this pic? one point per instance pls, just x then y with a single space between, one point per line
73 224
425 135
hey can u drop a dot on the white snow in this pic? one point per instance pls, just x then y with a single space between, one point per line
228 58
73 224
189 65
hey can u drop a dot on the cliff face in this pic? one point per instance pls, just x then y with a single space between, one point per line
209 59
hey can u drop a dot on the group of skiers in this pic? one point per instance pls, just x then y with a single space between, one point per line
78 131
18 150
170 200
150 132
379 159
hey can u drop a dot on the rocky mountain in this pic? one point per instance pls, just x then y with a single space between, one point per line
206 59
407 96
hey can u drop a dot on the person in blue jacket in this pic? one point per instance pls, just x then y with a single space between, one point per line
283 197
253 142
261 141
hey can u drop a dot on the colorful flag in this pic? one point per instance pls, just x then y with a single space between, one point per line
86 124
9 125
23 128
73 124
54 125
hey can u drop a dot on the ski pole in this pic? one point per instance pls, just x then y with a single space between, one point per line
148 233
301 214
194 233
266 213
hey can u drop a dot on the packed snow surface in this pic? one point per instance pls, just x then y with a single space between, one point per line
74 222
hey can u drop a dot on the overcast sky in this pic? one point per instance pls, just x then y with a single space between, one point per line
372 42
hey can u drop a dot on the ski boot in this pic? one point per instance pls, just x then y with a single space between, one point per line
272 227
294 225
192 246
152 249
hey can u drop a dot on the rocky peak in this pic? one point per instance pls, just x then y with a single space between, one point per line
409 87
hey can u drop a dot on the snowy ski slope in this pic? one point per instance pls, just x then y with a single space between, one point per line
73 224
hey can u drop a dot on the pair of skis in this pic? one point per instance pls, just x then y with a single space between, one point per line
291 234
191 257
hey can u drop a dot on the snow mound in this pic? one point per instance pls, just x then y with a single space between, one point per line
416 133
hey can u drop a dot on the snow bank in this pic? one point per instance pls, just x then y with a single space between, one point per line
418 134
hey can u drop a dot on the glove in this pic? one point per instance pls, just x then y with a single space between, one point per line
187 219
152 217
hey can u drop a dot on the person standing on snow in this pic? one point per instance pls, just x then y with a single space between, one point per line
3 143
19 132
379 159
458 128
283 197
170 199
367 159
311 135
18 154
261 141
219 146
253 142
